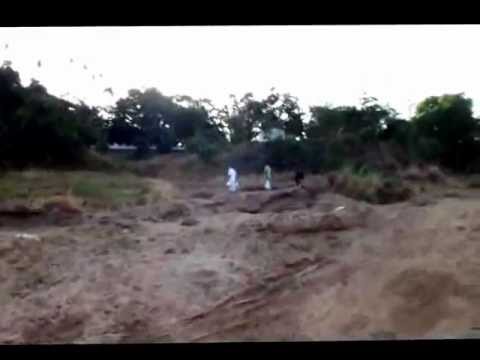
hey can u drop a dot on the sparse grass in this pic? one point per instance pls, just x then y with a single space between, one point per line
360 184
94 188
8 190
30 184
118 190
363 184
474 182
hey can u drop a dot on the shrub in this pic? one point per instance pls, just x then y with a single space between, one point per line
205 149
102 144
370 186
285 154
474 182
314 155
142 149
247 157
336 155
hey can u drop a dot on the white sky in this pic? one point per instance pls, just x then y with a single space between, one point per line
400 65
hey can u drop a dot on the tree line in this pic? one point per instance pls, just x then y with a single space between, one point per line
37 128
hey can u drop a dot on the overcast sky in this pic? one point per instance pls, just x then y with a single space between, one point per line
335 65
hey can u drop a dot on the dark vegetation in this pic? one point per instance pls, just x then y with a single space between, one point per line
41 130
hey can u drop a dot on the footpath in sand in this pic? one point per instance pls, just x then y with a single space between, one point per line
211 266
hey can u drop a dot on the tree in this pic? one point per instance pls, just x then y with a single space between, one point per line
199 116
368 121
144 119
293 116
446 127
252 117
150 118
241 122
40 129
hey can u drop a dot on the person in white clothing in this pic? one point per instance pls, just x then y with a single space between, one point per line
232 182
267 171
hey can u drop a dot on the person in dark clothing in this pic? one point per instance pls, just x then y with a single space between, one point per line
299 176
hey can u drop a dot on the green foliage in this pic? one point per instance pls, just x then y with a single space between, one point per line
247 157
207 143
38 128
285 154
102 142
150 118
398 131
368 185
108 190
205 149
474 182
313 155
142 147
290 154
367 121
446 130
252 117
96 188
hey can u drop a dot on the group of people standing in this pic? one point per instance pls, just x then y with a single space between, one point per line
234 185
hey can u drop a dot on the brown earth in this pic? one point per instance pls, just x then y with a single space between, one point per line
206 265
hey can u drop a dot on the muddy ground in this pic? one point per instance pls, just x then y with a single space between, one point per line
206 265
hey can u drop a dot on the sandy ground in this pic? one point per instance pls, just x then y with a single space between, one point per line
205 265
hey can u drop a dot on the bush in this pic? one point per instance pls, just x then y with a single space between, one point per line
474 182
336 155
413 173
435 174
142 148
163 140
95 161
314 155
247 157
282 155
428 149
285 154
102 144
205 149
364 184
447 128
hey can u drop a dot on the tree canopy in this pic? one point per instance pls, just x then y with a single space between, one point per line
447 129
37 128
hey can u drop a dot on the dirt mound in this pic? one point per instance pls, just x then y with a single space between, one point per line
62 211
56 328
203 195
424 173
391 192
423 200
163 190
202 264
20 251
175 212
276 201
190 221
19 209
55 211
413 173
435 174
424 299
159 212
250 307
308 222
